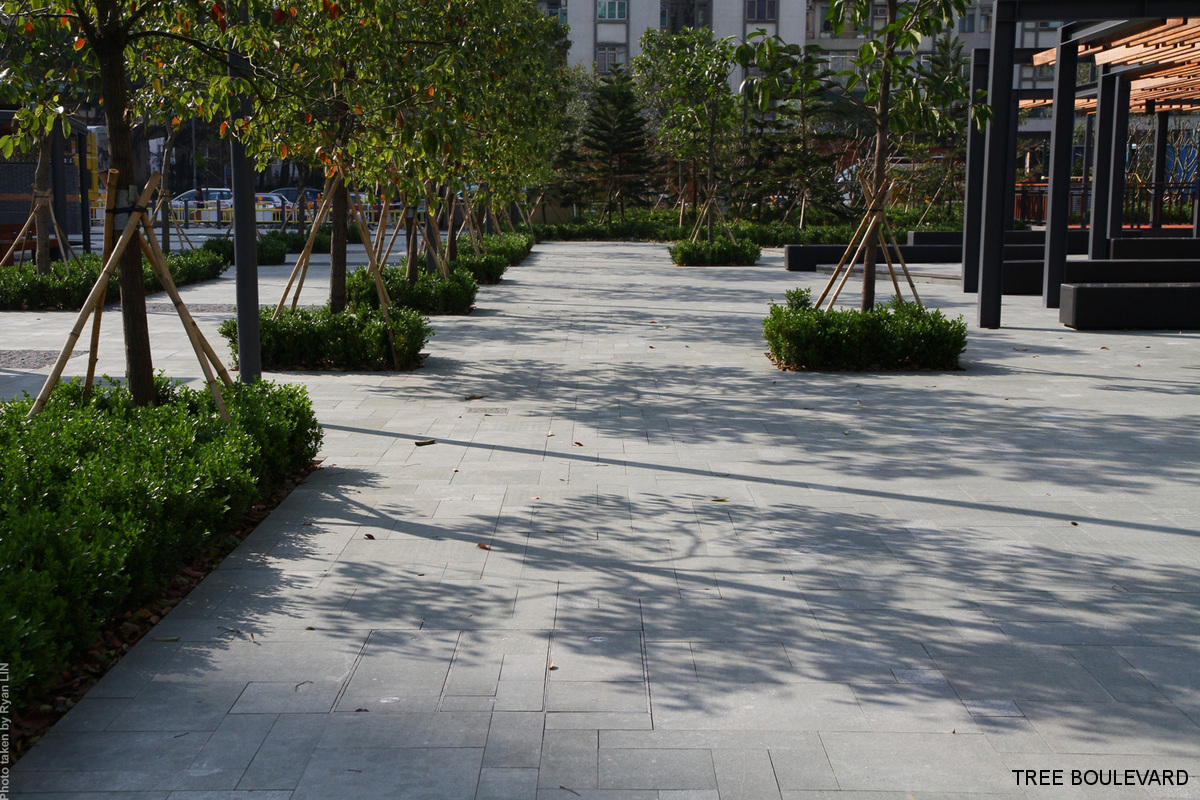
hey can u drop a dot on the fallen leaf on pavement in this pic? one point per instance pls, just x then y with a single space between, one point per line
424 442
475 397
368 536
483 546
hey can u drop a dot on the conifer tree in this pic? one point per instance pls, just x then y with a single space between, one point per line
614 140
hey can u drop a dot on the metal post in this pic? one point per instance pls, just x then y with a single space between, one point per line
245 243
1162 120
85 201
1058 200
1089 144
1101 179
973 201
58 183
1120 160
997 184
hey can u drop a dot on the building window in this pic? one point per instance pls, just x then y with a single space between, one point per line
823 23
985 21
760 10
611 9
609 56
664 15
966 24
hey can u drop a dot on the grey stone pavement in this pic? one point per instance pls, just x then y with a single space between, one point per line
644 563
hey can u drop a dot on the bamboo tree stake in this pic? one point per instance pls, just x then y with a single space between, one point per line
384 301
395 232
318 220
63 242
105 250
859 231
886 230
95 296
472 231
306 253
150 247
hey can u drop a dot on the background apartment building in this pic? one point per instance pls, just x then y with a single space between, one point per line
605 33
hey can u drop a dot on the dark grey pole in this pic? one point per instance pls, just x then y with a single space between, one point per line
996 182
1089 149
1058 200
245 245
1101 178
973 201
1162 121
58 182
1120 161
85 201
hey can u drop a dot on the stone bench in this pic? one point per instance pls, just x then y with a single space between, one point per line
1139 306
1156 248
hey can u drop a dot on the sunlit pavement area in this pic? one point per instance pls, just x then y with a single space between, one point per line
641 562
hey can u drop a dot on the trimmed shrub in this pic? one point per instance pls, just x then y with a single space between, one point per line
104 501
223 247
305 338
487 268
68 284
272 249
720 252
431 294
512 246
894 336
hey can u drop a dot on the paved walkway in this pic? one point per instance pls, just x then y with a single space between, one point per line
640 562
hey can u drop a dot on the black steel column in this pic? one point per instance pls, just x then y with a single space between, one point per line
1162 120
1058 192
973 201
85 200
1101 177
245 242
996 183
1120 160
1089 151
58 184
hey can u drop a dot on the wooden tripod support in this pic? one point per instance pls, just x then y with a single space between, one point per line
301 267
874 221
39 200
94 303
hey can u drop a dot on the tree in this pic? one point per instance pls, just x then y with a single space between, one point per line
685 78
43 78
794 120
898 98
614 140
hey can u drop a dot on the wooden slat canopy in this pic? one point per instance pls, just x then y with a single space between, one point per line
1164 56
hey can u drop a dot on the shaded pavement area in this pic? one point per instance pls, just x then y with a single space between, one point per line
641 563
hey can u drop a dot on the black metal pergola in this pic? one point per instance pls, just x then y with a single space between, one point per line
1151 57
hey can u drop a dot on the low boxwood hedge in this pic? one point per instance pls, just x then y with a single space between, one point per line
512 246
68 284
319 339
487 269
893 336
272 247
720 252
431 294
104 501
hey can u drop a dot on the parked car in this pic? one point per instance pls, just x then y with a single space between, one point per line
311 195
206 206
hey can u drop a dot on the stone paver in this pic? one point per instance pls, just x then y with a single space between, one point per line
708 579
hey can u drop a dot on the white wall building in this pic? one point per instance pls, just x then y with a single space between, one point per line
605 33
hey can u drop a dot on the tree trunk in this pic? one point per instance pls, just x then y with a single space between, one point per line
41 185
879 178
337 249
302 170
110 56
411 273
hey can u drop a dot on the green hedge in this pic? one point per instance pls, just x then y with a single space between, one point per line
720 252
104 501
431 294
896 335
319 339
512 246
487 269
68 284
272 247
